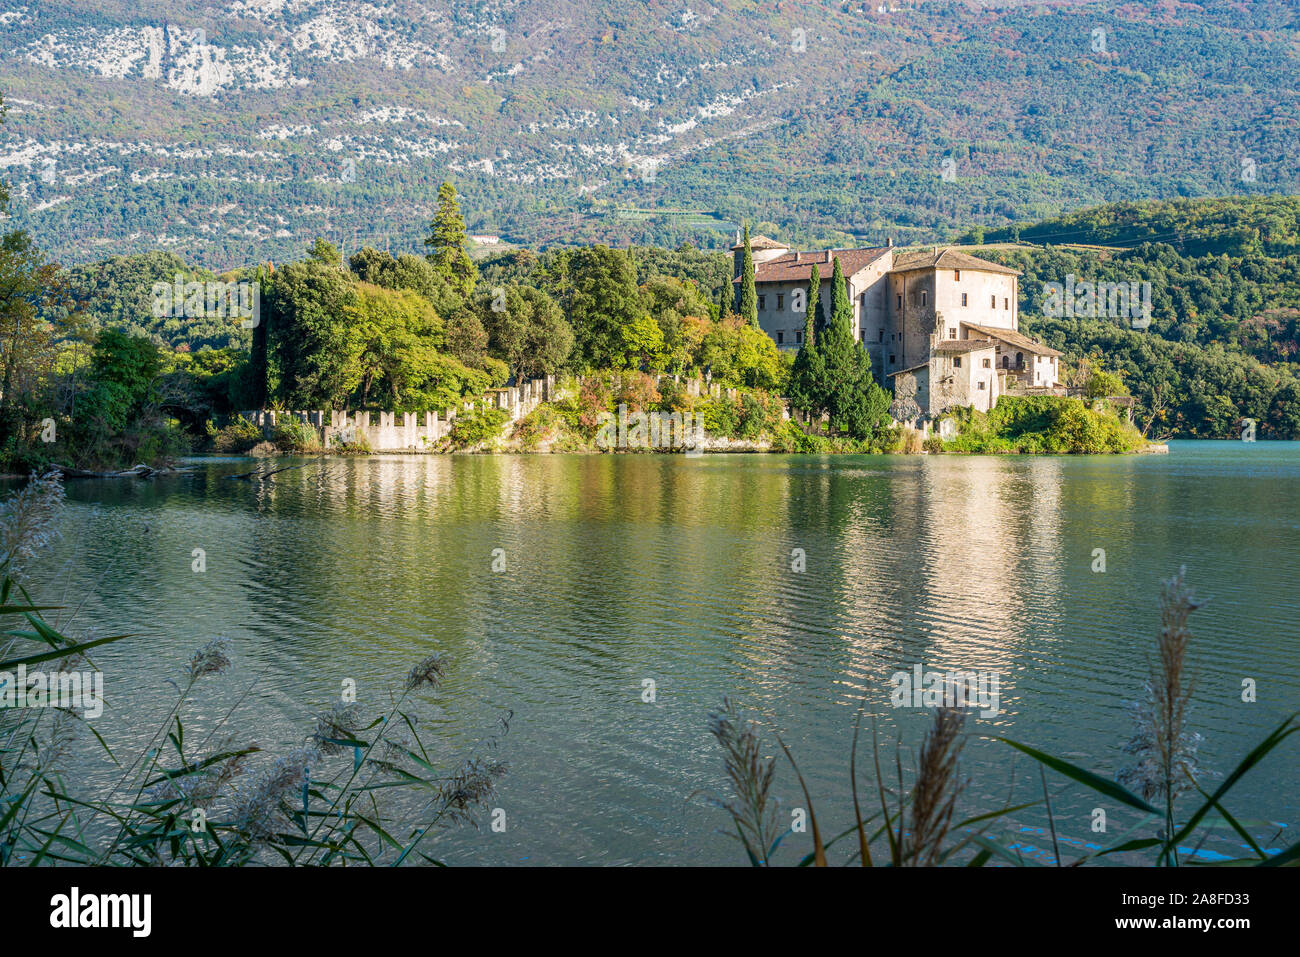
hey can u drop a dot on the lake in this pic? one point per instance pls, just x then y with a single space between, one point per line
625 569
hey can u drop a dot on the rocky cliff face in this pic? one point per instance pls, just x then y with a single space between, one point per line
133 123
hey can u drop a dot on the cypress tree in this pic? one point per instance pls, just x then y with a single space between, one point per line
849 395
748 292
810 317
808 371
726 300
447 242
841 305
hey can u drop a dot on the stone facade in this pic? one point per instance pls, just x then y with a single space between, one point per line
918 312
406 431
421 432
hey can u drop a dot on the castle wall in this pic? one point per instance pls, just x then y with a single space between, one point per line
776 315
990 299
911 300
404 431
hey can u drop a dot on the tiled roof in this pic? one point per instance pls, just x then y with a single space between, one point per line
963 345
919 365
1012 337
947 259
797 267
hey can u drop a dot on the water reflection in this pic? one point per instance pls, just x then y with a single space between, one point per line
621 569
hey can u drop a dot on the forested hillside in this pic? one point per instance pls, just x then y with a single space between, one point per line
1221 344
236 133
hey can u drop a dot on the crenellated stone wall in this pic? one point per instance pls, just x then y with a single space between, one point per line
421 432
405 431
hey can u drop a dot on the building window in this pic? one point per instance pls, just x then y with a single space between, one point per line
981 381
925 297
1006 303
798 335
780 300
780 338
993 302
1006 362
882 335
762 302
1020 360
988 363
956 362
956 275
952 333
963 298
900 301
891 360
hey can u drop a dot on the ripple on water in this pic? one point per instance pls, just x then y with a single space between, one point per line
623 570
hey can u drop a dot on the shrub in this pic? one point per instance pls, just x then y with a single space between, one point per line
239 436
295 435
1038 424
638 391
594 398
546 423
933 444
478 426
356 445
789 436
719 417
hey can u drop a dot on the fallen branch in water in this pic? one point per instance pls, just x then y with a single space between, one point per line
138 471
260 475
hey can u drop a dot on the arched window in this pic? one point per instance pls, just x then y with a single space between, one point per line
1020 360
1006 362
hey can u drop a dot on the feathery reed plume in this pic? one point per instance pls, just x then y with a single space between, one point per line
753 809
428 672
29 522
211 659
259 808
473 785
938 785
339 723
1164 747
202 787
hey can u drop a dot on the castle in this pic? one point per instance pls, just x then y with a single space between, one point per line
941 326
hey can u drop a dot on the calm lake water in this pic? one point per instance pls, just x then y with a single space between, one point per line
626 568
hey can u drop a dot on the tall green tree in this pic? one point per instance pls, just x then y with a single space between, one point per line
807 376
447 243
814 303
256 372
526 330
841 304
850 396
603 299
324 252
748 292
313 345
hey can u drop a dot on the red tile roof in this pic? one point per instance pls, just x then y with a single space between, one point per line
963 345
947 259
1014 338
797 267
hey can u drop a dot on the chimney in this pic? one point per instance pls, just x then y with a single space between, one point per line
890 241
828 255
796 255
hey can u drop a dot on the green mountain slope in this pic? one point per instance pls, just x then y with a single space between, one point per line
239 132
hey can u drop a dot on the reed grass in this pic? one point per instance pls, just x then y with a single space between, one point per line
914 826
362 789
